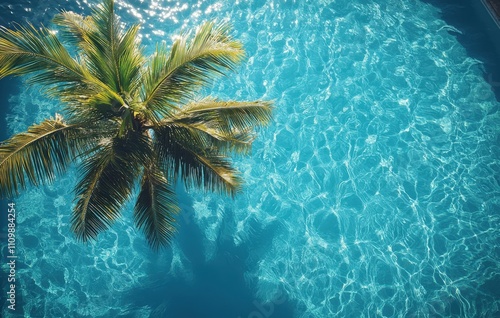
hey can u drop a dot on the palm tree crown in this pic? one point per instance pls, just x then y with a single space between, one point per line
129 121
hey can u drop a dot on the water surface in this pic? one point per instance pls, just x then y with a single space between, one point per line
374 193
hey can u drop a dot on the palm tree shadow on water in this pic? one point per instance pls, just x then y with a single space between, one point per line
217 288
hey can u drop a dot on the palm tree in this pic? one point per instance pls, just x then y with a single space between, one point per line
133 124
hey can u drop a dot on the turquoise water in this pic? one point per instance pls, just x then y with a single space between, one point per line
374 193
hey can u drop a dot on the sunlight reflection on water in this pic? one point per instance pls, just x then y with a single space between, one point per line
374 192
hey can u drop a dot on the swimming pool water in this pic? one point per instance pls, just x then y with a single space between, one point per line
374 193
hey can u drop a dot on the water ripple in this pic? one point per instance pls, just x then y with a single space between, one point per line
381 169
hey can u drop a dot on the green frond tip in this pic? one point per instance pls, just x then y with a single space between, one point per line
74 28
192 64
106 183
28 50
185 156
156 208
227 116
40 153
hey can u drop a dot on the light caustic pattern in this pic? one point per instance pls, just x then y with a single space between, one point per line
379 175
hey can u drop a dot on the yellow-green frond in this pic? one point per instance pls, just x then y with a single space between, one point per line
191 64
107 181
39 53
185 156
40 153
74 27
156 208
27 50
226 143
130 60
227 116
112 53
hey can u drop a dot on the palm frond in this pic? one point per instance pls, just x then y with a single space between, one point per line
151 78
91 107
172 79
106 183
130 60
74 27
111 53
27 50
226 116
156 208
225 125
40 153
226 143
38 52
184 155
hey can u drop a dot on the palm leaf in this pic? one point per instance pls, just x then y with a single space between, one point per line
226 143
226 116
40 153
172 79
111 53
156 208
26 50
92 107
74 27
130 60
184 155
106 183
224 125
